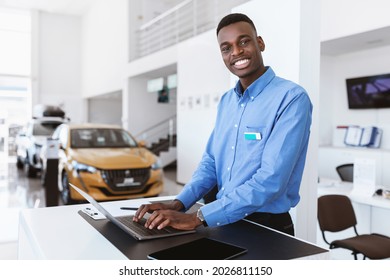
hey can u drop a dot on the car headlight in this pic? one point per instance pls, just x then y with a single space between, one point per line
157 164
81 167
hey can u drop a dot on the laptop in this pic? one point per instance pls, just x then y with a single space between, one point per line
135 229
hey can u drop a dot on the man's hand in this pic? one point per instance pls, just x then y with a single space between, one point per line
167 214
150 208
162 218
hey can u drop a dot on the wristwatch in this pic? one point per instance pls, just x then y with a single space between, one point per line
199 215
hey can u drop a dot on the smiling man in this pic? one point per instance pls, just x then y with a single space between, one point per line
257 150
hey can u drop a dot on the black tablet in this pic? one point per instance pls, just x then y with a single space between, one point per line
199 249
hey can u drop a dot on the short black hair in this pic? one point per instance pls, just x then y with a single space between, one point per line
233 18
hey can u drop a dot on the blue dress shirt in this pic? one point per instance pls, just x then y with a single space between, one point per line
256 152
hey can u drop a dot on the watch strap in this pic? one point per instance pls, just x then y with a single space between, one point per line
200 216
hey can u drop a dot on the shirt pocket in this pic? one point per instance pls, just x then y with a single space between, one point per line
254 134
253 143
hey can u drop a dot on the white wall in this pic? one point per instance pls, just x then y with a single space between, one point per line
140 108
309 78
327 103
334 71
346 24
203 78
348 17
152 62
104 47
143 109
57 78
107 110
281 37
348 27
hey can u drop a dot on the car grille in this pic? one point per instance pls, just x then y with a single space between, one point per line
126 180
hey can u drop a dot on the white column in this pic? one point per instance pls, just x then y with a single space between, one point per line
309 75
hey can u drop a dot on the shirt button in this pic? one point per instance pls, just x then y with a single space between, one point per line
236 125
246 214
232 147
218 223
242 105
223 189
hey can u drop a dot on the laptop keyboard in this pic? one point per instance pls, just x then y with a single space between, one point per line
141 229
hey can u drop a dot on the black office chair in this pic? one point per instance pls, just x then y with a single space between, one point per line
345 172
335 213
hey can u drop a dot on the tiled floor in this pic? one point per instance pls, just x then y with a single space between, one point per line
18 192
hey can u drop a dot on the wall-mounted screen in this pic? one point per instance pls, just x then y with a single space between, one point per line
369 92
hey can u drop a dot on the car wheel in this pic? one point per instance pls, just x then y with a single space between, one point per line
65 192
30 170
19 163
43 177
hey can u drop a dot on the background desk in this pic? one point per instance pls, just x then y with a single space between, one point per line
62 233
372 214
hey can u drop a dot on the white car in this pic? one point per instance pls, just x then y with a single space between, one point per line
29 143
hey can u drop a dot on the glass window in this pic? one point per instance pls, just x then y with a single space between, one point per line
15 65
45 128
15 37
101 138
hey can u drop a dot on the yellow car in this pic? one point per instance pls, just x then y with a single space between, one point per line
106 162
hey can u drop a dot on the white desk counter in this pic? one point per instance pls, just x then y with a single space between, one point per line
327 186
61 233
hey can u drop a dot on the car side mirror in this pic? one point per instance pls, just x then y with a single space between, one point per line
142 144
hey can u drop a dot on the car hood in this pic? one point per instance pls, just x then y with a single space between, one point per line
114 158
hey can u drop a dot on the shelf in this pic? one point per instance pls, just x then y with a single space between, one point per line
352 148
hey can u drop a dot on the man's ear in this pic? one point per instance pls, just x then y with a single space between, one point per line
261 43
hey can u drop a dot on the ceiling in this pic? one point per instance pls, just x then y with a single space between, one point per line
66 7
357 42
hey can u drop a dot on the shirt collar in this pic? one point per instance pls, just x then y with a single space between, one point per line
257 86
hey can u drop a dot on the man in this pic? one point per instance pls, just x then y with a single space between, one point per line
257 150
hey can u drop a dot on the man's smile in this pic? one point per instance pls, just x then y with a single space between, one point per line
241 64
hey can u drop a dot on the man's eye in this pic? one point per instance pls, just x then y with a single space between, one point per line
225 49
244 42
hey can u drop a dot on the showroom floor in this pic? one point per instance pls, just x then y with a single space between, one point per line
18 192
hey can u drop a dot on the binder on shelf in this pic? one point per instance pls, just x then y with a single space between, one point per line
339 136
369 136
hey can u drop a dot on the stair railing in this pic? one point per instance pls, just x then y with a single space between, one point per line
185 20
166 129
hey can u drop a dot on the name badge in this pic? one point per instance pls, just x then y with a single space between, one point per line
252 136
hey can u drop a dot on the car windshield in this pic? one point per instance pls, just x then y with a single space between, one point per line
45 128
101 138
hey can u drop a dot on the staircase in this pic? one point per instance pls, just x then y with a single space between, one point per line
165 149
163 144
161 140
